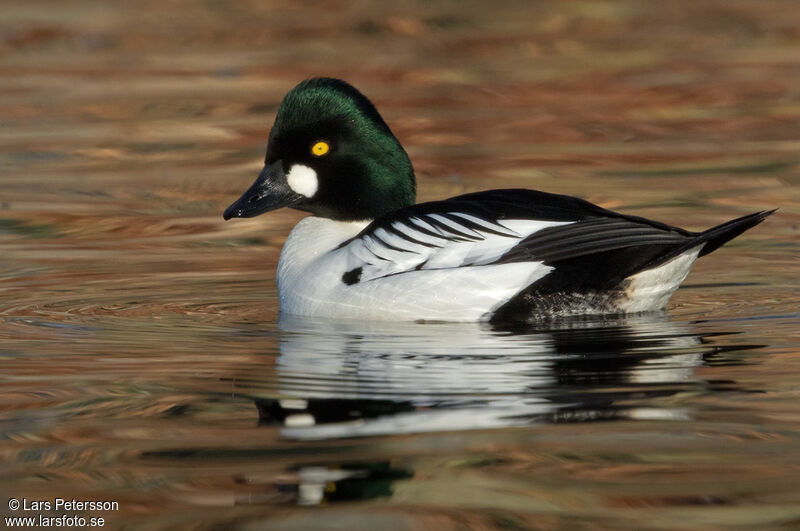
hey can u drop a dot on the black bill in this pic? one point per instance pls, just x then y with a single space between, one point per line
269 192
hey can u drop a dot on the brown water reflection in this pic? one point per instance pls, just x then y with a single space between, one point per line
142 357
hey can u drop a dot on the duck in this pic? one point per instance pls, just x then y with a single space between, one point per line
369 251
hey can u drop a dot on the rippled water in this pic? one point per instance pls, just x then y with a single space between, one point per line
143 356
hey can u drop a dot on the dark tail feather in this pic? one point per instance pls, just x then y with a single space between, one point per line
721 234
713 238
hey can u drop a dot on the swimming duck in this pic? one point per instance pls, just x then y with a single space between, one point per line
369 252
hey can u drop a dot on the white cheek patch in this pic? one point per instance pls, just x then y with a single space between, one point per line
302 180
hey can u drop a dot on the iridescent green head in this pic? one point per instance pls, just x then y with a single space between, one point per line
330 153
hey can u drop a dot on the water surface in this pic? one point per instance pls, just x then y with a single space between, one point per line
143 356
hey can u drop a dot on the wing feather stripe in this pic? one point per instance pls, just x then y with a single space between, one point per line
394 229
488 223
454 226
388 245
442 223
424 227
470 222
371 242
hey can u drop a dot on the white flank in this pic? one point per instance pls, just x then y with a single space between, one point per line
651 289
311 268
302 180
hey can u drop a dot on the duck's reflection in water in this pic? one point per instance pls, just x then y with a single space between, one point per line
347 379
312 485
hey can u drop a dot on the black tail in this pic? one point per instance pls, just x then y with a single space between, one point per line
713 238
721 234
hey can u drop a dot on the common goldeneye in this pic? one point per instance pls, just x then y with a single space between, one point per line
369 252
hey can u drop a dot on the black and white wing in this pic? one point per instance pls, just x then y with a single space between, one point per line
501 227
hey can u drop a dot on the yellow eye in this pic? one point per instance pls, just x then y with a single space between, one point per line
320 148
